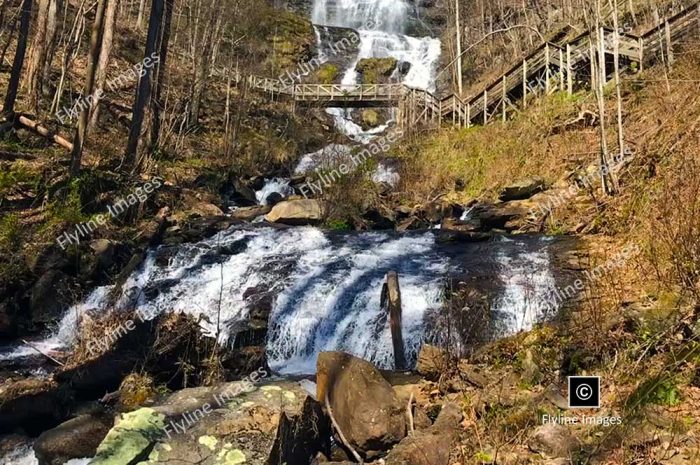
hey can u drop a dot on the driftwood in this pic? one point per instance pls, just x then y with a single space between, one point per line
341 436
42 353
409 413
45 132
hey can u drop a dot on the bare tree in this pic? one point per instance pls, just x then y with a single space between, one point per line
103 62
87 97
18 62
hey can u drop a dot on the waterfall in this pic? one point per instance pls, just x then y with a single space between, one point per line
323 289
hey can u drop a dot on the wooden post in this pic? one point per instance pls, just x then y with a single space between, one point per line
503 97
391 301
524 83
469 115
641 49
669 45
546 72
592 55
561 69
569 77
486 114
454 110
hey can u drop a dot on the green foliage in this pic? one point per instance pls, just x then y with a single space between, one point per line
660 390
375 70
19 173
327 73
9 232
338 225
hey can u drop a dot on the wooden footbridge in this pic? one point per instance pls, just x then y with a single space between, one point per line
552 66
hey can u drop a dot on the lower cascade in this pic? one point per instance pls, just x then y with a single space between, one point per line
322 289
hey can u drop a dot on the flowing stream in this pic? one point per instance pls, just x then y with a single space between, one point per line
324 289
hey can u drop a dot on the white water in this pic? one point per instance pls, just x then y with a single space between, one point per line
274 185
325 287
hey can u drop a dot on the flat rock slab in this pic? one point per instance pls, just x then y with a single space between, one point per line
228 424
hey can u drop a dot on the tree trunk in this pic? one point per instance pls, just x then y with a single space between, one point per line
95 46
37 55
103 62
143 91
18 62
159 77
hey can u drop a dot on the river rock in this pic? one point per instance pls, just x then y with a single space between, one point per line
368 411
432 362
431 446
33 404
49 297
76 438
231 423
523 189
250 213
297 212
553 440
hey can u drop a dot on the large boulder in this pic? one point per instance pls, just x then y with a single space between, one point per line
76 438
368 411
250 213
523 189
431 446
297 212
8 318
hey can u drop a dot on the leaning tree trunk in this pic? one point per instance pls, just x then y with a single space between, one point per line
103 62
95 46
18 62
143 91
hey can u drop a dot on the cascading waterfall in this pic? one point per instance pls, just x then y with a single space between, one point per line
381 25
324 287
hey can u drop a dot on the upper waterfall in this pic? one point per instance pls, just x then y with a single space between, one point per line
382 15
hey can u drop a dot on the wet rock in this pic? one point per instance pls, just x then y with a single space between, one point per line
431 446
8 318
250 213
76 438
297 212
523 189
553 440
243 194
33 404
367 409
378 220
49 297
205 210
273 199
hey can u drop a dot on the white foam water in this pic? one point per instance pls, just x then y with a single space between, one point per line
275 185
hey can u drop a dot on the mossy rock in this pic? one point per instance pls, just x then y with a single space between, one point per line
130 438
376 70
328 73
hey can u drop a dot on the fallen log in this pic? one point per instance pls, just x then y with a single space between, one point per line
45 132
